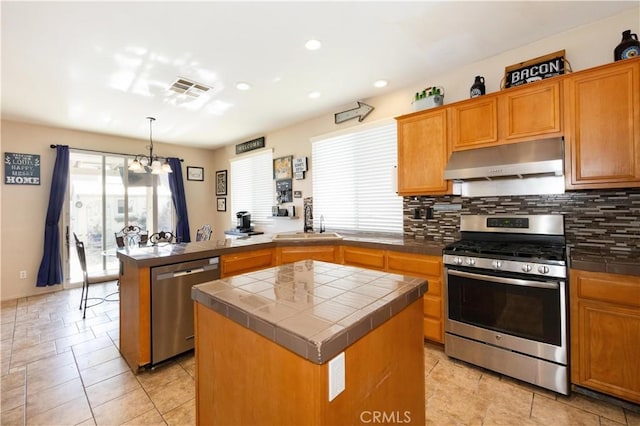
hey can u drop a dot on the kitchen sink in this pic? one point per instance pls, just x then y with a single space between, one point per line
307 236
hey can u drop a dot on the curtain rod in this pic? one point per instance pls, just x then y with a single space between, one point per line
103 152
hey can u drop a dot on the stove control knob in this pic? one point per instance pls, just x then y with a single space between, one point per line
543 269
496 264
457 260
526 268
471 261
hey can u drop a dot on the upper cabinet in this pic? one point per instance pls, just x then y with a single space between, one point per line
602 130
514 115
423 151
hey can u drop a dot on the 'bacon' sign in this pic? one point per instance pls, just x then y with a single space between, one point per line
535 69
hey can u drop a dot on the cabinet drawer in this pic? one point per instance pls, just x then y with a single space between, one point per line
624 290
369 258
432 306
234 264
420 265
294 254
433 330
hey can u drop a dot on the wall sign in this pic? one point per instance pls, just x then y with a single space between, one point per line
535 69
250 145
21 169
360 113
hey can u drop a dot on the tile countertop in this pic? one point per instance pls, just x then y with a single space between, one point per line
158 255
624 263
315 309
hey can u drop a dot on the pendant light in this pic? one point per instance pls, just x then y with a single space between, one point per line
153 164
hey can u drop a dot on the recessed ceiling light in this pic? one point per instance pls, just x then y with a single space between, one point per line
241 85
380 83
313 44
314 95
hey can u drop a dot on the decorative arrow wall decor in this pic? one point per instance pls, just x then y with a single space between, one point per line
361 112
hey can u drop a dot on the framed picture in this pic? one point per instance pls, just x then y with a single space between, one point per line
221 183
195 173
222 204
283 168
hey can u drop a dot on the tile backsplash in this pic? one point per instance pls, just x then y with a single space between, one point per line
604 220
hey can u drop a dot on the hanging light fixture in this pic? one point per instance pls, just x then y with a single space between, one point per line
150 163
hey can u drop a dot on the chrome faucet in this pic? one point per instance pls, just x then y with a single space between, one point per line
321 224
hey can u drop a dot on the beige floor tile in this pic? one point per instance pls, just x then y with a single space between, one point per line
123 408
53 396
184 414
594 406
67 342
174 394
97 373
45 365
92 345
633 419
12 398
38 382
25 342
549 411
500 415
606 422
188 362
13 380
104 329
96 357
161 375
504 396
70 413
151 417
112 388
22 357
13 417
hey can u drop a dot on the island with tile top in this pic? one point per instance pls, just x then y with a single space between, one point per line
310 343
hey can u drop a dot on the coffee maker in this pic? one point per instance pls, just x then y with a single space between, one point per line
243 222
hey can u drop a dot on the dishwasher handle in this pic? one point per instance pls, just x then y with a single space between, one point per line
188 271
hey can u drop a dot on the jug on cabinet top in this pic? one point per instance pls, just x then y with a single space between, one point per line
629 47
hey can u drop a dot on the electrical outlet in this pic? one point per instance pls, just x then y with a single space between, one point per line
23 275
336 376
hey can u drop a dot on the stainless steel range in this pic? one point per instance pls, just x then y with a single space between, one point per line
506 296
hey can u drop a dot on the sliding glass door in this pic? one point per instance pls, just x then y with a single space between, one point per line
103 198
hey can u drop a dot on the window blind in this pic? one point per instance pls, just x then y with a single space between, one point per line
251 179
353 188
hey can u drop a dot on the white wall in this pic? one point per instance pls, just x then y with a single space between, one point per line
585 47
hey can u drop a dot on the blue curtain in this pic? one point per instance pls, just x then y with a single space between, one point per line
50 271
179 202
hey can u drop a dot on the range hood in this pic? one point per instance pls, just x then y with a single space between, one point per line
542 157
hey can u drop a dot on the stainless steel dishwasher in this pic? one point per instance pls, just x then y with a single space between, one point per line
172 307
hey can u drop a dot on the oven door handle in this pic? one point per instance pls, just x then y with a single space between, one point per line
504 280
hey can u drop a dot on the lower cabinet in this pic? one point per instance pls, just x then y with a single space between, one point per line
429 267
605 330
296 253
246 261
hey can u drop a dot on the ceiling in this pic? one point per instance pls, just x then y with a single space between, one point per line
105 66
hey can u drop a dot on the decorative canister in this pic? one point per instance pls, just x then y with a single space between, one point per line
478 88
629 47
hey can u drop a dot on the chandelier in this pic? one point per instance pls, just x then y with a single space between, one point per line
150 163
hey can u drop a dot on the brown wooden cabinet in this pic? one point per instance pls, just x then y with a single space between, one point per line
246 261
429 267
514 115
605 330
423 152
294 253
602 130
364 257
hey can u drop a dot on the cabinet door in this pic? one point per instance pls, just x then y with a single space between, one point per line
296 253
474 123
602 130
605 325
423 152
239 263
530 112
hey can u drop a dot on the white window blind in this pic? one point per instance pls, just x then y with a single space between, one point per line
251 179
353 188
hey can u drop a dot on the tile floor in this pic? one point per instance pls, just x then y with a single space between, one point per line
58 369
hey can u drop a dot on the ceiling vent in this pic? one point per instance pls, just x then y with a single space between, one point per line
189 88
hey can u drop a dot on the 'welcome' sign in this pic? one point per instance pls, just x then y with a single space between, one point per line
21 169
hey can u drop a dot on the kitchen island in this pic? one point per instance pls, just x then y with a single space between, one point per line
310 343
